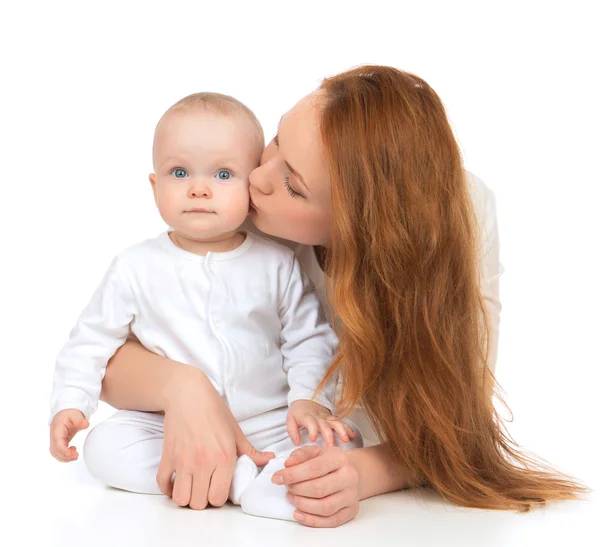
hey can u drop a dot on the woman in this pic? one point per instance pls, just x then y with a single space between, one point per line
365 173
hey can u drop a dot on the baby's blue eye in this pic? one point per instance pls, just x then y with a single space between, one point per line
179 173
224 175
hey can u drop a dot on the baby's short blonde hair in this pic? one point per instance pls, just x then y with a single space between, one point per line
222 104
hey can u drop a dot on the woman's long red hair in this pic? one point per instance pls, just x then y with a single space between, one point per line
413 326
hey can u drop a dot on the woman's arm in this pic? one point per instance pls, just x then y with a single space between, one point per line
201 436
137 379
378 473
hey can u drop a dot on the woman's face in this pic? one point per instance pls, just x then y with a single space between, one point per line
289 191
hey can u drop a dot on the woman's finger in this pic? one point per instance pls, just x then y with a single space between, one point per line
199 483
320 487
324 507
182 488
325 427
311 469
315 521
303 454
243 446
218 490
164 476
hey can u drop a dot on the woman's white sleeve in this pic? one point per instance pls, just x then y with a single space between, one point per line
102 327
491 266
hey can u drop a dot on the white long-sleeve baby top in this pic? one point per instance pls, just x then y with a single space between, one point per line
249 318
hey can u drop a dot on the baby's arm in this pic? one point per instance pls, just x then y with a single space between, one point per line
101 329
308 347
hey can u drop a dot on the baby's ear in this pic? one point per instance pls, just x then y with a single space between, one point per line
152 178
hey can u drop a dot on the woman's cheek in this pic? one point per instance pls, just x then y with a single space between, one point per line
305 226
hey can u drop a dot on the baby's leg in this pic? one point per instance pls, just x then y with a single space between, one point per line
265 499
124 451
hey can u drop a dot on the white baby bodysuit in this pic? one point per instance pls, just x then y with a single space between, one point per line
249 318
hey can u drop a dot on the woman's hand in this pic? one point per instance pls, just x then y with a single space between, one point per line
201 442
322 485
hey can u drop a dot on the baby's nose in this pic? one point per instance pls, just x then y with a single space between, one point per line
200 188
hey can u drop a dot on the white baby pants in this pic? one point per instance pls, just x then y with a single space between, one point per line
124 452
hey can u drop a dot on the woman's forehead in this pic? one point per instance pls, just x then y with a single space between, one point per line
300 142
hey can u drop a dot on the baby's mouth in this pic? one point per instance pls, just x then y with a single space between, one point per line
199 210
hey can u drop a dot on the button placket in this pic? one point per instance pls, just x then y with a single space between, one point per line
212 268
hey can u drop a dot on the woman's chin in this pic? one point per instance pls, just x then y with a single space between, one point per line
257 219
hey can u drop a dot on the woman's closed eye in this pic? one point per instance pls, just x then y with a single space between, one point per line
286 181
290 190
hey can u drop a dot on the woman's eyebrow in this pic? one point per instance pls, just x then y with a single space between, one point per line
292 170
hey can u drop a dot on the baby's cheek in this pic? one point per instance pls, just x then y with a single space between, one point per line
239 198
166 201
236 203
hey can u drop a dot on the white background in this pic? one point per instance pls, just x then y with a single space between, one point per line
84 84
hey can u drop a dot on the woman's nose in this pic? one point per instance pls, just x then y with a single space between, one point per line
260 179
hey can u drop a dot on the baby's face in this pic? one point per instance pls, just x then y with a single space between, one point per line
202 161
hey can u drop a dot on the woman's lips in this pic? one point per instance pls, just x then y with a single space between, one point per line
251 205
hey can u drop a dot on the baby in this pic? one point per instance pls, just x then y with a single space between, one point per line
205 293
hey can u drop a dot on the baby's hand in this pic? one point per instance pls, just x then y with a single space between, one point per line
315 418
62 429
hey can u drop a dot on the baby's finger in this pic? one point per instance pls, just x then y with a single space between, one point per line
82 424
75 426
58 455
293 429
342 430
313 428
58 438
325 428
347 428
69 454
